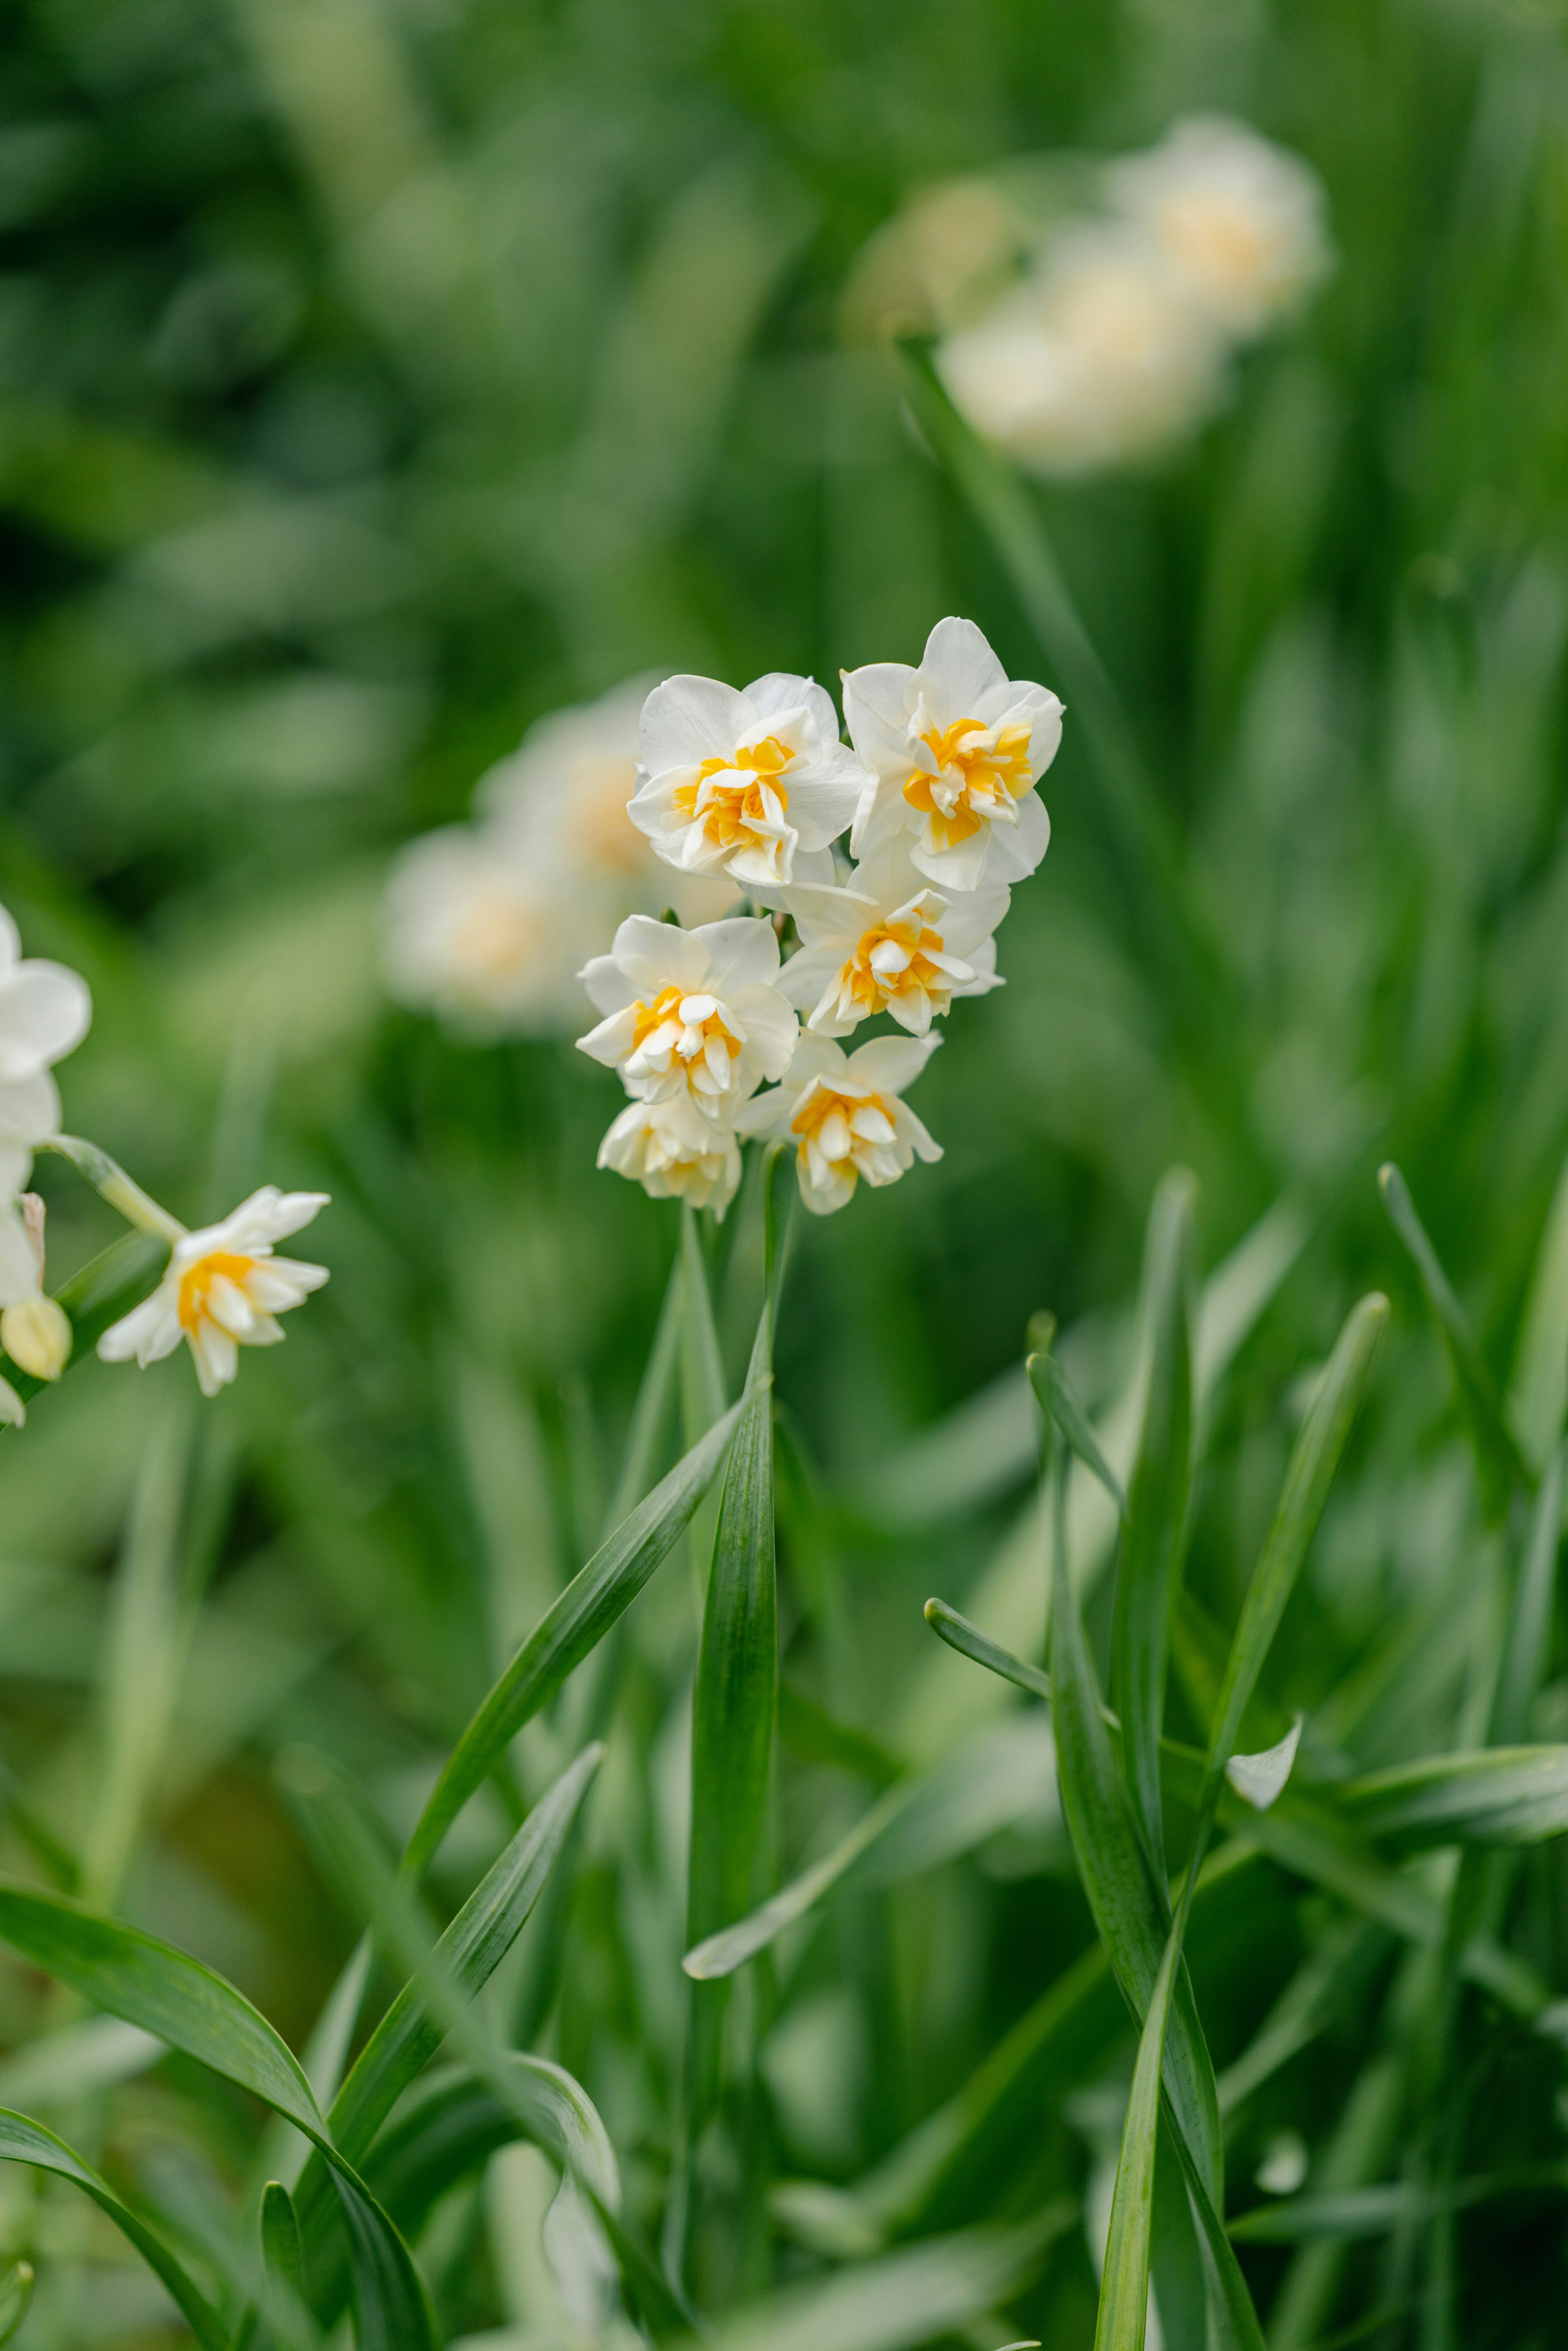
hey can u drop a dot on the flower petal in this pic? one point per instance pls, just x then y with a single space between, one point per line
959 669
689 719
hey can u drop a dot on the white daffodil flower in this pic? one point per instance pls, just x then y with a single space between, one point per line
1261 1777
844 1116
690 1013
675 1153
754 785
1099 358
954 751
487 937
889 941
35 1330
223 1290
1237 221
45 1013
561 802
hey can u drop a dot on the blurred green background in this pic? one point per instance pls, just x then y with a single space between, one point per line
377 375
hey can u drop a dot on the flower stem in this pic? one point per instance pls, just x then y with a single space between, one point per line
109 1180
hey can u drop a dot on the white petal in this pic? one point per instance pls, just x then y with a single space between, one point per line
10 941
771 1027
1018 850
30 1109
45 1012
1261 1777
741 952
18 1261
689 719
216 1357
656 956
607 984
890 1064
611 1041
150 1331
957 670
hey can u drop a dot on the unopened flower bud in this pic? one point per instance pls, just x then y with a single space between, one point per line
37 1336
13 1411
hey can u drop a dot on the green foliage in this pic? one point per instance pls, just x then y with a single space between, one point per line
375 381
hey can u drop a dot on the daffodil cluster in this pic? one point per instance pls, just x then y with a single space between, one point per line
1102 334
937 793
223 1288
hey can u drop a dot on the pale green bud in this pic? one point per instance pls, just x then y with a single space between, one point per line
37 1336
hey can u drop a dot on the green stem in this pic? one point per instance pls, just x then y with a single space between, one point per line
111 1183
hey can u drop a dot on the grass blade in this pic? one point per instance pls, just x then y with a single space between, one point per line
392 2310
1059 1397
16 2298
1539 1396
1496 1796
286 2316
902 2300
1124 2280
720 1954
1527 1643
1128 1905
1498 1458
735 1702
1156 1506
592 1601
163 1989
23 2141
1314 1460
970 1642
651 1409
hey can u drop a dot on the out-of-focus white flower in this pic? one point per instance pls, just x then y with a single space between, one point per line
1238 222
223 1290
926 266
754 784
954 749
45 1013
35 1331
483 934
844 1114
561 801
675 1153
889 942
1100 357
694 1013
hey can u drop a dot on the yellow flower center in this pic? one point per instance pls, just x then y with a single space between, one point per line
891 961
838 1127
197 1282
695 1034
961 798
731 813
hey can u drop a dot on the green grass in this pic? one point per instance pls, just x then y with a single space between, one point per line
374 380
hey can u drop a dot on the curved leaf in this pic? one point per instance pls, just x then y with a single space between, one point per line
1497 1796
25 2141
970 1642
165 1991
580 1618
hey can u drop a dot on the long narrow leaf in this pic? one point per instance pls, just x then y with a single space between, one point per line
163 1989
1129 1912
1502 1465
1124 2280
979 1647
1496 1796
1528 1643
592 1601
392 2310
1156 1506
23 2141
1310 1474
735 1703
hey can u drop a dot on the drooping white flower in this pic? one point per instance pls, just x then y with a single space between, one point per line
754 785
844 1114
485 935
675 1153
1100 357
1237 221
35 1330
223 1290
889 941
954 751
45 1013
562 800
695 1014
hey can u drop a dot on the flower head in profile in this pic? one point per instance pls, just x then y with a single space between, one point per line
1238 222
691 1014
754 785
482 934
1099 358
223 1290
846 1116
888 941
675 1153
45 1013
954 751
